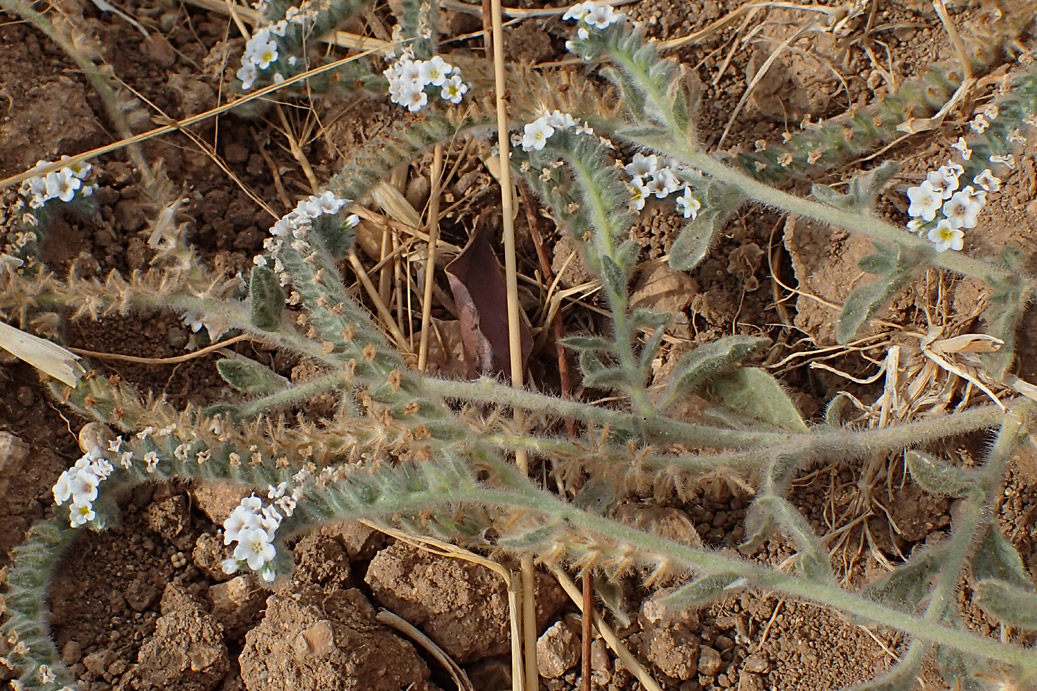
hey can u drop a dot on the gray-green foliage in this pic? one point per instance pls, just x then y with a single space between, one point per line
444 468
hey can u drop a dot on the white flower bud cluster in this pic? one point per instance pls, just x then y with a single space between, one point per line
253 526
597 15
294 227
408 79
264 49
64 184
535 135
79 485
650 176
941 211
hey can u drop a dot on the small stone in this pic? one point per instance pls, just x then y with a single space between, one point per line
558 650
1031 208
71 652
235 152
601 663
98 662
129 216
158 49
25 396
315 641
757 664
750 682
723 642
709 661
117 668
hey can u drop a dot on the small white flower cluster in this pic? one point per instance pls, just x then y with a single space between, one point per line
253 527
958 209
62 184
598 15
295 225
264 49
409 77
79 484
650 176
196 321
535 135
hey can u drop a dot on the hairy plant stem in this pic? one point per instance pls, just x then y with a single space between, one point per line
878 230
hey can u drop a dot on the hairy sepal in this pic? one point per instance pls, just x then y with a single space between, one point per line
937 477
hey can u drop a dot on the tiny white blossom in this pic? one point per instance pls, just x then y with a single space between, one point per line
962 146
642 166
247 74
916 225
535 135
62 184
151 459
943 181
454 89
946 237
81 514
961 210
638 194
987 181
688 205
924 201
435 70
254 548
979 124
664 183
414 97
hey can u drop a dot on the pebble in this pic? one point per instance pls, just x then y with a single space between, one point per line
1031 208
709 661
157 49
235 152
757 664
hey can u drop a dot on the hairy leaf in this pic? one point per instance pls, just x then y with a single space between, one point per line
940 478
702 591
900 677
248 376
909 584
709 360
996 558
1007 305
862 191
266 301
753 392
1007 603
588 343
864 301
813 557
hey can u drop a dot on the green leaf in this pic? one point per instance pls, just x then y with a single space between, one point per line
867 299
905 588
695 240
996 558
588 343
754 392
248 376
1007 603
538 538
1006 307
862 190
837 409
709 360
265 298
813 557
938 477
613 276
702 591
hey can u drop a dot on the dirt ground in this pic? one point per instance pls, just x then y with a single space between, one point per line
145 605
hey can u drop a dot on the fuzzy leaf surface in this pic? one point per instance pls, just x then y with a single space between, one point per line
248 376
266 301
896 270
1007 603
996 558
938 477
753 392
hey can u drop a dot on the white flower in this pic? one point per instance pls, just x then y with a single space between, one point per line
254 548
328 203
601 15
454 89
979 123
987 181
80 170
943 181
946 237
151 459
229 566
961 210
1007 160
976 196
62 184
583 34
267 575
275 492
642 166
81 513
241 518
663 183
688 205
435 70
63 488
577 12
261 52
924 201
535 135
414 97
963 146
638 194
916 225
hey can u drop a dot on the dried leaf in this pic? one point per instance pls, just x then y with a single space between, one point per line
480 295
